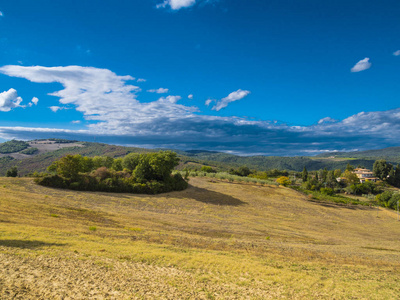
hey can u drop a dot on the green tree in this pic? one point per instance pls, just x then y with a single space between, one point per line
381 169
337 173
117 164
131 161
304 174
68 166
331 179
349 167
350 177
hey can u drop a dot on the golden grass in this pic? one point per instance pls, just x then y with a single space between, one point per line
215 240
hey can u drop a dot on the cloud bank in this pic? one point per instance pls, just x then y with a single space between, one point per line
117 116
362 65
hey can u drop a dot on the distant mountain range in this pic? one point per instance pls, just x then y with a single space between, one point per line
39 154
391 152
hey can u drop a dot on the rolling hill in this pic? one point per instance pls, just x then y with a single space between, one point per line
215 240
49 150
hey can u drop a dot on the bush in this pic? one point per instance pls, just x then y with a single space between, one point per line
283 180
207 169
327 191
13 172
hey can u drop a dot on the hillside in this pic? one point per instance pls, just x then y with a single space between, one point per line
51 150
264 163
391 153
215 240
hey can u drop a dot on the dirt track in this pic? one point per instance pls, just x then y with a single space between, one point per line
76 278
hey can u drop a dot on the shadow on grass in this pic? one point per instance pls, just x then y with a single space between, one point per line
209 197
24 244
327 203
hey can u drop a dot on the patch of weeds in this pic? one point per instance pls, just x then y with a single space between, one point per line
268 237
92 228
54 216
134 229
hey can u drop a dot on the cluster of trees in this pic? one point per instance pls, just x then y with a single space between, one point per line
387 172
13 146
244 171
388 199
149 173
30 151
322 179
326 182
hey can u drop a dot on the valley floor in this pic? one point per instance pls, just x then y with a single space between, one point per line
215 240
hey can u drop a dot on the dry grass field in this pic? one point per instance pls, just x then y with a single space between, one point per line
215 240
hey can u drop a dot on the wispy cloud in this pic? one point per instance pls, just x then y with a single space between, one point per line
176 4
362 65
159 91
119 117
234 96
141 80
56 108
1 14
9 100
396 53
76 122
190 96
208 102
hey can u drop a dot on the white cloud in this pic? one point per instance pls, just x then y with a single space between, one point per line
56 108
176 4
190 96
396 53
9 100
141 80
102 96
362 65
76 122
35 100
209 101
116 116
1 14
327 120
159 91
234 96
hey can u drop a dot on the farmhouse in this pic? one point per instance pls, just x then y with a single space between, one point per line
365 175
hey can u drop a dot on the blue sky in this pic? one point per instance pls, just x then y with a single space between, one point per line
248 77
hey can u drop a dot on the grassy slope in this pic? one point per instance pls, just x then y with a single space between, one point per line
40 162
213 241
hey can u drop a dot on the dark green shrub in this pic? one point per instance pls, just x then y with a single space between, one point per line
13 172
